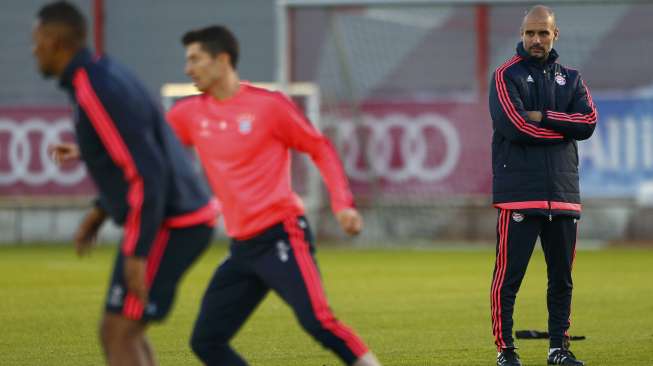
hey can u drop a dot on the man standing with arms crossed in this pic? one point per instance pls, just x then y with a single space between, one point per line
242 135
144 179
539 110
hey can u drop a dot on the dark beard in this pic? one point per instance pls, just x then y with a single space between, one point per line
544 56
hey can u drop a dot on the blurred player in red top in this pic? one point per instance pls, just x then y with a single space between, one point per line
243 136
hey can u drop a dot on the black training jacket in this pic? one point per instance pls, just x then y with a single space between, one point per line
535 165
144 177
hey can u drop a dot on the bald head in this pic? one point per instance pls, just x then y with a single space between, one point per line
540 13
539 32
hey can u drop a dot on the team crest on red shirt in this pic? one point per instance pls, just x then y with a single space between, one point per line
245 124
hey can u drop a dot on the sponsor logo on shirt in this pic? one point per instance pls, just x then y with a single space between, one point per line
206 124
204 128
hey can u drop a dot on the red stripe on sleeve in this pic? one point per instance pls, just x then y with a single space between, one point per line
588 118
510 110
576 117
117 149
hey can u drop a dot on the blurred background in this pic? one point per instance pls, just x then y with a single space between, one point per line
400 87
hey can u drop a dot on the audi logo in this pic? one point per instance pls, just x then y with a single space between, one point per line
397 137
24 157
391 138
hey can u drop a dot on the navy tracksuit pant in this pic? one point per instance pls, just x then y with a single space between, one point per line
279 259
516 237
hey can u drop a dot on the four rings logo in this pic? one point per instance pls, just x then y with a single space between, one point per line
398 147
24 153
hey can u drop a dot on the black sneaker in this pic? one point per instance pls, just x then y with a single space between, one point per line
508 357
563 357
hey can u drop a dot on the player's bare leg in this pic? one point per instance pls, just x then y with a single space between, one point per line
367 359
123 341
149 351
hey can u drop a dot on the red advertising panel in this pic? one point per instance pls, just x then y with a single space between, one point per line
26 168
415 150
400 150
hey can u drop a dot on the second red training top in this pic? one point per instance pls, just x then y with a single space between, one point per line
243 144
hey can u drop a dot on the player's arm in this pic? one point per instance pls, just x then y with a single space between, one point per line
293 129
88 229
580 121
511 119
90 226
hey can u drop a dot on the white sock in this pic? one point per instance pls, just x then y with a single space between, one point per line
551 350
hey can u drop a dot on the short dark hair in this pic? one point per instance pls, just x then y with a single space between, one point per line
64 13
214 39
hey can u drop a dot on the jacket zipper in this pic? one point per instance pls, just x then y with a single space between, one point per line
543 98
548 182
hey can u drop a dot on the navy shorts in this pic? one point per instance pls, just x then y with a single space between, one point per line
171 255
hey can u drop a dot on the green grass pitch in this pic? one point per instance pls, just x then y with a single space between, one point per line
412 307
